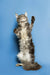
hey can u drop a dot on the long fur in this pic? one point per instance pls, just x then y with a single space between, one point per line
26 54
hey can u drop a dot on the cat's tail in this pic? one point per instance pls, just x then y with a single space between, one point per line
36 66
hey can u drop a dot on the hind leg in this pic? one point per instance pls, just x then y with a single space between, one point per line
19 64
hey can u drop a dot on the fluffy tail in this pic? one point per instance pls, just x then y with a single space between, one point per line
36 66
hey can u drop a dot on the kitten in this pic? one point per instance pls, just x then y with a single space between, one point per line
26 54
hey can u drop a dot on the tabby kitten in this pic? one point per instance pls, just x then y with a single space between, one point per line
26 54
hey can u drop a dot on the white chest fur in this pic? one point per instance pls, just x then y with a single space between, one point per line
24 33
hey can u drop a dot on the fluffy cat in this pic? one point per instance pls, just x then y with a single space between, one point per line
26 54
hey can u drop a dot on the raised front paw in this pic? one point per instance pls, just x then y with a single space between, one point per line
32 19
15 31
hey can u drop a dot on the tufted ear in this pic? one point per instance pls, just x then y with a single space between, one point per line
26 14
16 15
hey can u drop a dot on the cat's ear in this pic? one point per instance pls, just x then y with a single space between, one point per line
16 15
26 14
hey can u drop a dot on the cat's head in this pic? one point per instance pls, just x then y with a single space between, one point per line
22 18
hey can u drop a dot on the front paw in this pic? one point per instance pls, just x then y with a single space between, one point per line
32 19
15 30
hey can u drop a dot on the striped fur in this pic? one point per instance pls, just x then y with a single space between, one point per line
26 54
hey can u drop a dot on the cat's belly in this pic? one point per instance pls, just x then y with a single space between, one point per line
24 56
24 45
